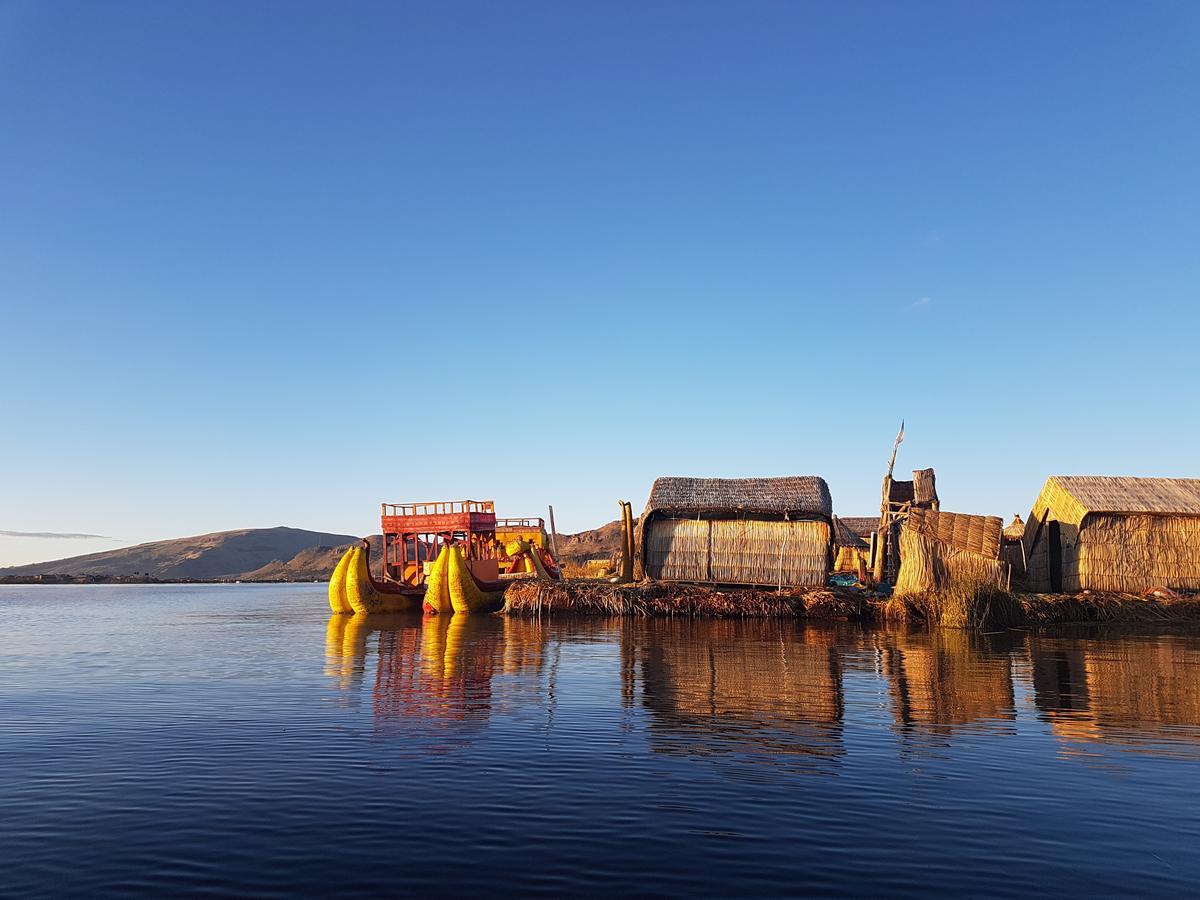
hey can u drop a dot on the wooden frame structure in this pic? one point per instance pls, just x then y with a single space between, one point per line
414 533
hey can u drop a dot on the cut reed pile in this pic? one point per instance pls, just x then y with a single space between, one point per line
588 597
966 603
985 606
1052 609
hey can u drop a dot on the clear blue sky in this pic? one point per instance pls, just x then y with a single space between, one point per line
275 262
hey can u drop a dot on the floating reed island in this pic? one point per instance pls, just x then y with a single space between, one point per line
1093 549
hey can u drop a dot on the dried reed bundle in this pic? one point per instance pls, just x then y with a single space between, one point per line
585 597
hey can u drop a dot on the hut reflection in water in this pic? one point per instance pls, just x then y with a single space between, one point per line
769 687
947 679
1139 693
773 690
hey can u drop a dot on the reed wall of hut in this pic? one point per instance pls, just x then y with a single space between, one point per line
751 531
1121 535
849 546
939 550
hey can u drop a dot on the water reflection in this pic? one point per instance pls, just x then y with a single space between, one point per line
776 690
757 687
432 668
1139 693
946 680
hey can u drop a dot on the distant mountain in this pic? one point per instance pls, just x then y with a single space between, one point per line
265 554
314 563
221 555
599 543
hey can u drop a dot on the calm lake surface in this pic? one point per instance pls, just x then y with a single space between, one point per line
237 739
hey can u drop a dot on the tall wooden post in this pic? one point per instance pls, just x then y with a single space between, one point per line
553 535
626 546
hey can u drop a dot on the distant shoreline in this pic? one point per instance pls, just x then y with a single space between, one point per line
139 579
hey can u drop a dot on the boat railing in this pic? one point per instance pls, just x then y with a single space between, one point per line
439 508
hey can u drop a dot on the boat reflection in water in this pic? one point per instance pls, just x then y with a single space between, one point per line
431 668
774 691
1137 693
770 689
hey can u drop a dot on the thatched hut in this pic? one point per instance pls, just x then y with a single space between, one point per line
753 531
939 550
1012 551
1114 534
850 547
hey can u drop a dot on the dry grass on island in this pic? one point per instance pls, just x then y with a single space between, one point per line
655 598
978 606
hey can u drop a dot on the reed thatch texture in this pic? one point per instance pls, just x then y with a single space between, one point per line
850 546
1114 534
930 565
678 550
738 551
978 534
736 531
1014 530
658 598
844 535
849 558
950 561
863 526
924 489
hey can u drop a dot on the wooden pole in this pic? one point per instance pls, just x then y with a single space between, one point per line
628 515
626 546
553 535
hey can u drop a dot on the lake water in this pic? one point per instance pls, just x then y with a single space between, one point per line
237 739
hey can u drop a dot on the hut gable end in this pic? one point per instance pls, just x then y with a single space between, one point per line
1089 532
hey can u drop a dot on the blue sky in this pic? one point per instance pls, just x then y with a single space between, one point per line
274 263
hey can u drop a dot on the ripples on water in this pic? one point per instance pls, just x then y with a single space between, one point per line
236 739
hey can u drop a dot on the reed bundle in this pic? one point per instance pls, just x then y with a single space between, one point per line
929 564
1050 609
643 599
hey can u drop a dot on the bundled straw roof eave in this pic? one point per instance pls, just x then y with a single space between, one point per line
979 534
792 496
1132 496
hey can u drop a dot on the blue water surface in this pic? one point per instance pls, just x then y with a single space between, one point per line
237 739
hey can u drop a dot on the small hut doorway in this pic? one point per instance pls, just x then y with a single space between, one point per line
1055 548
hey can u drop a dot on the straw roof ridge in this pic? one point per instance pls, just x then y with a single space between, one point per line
1015 530
803 494
1130 495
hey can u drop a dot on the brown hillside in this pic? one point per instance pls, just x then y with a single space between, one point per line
599 543
314 563
221 555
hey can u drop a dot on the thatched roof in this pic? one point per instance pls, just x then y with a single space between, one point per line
845 536
1154 496
861 525
796 495
921 491
979 534
1015 530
